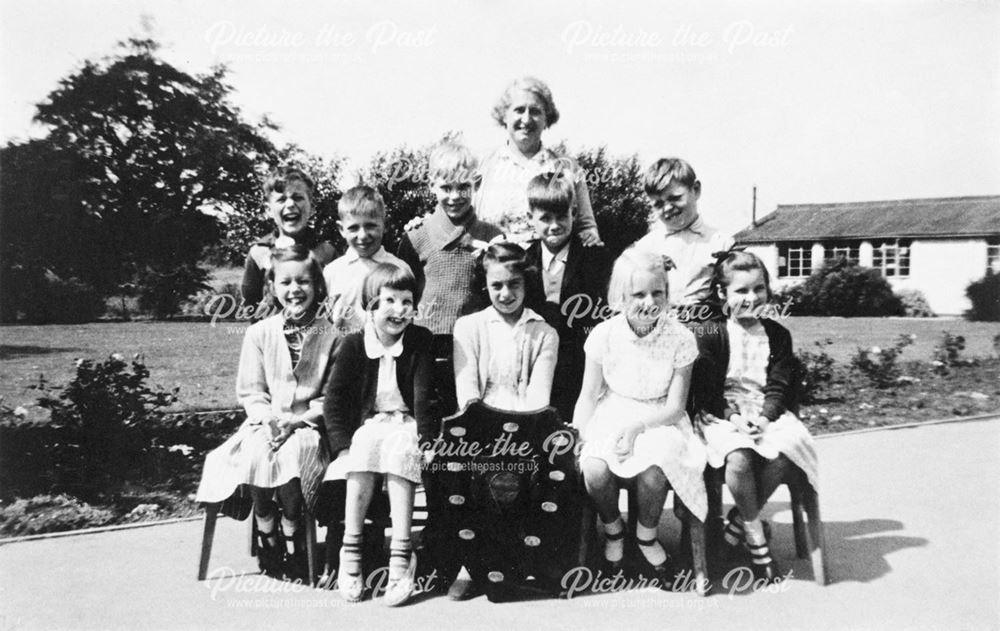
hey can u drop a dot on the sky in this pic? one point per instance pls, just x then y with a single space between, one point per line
809 102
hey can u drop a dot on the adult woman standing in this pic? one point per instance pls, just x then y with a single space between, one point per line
525 110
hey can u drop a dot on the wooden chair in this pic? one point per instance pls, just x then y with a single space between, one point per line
208 534
809 538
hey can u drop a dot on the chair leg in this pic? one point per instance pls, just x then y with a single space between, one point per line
798 523
696 529
817 540
588 534
714 522
211 515
310 525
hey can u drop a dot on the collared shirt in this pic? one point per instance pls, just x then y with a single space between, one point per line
345 280
502 198
553 269
388 398
691 249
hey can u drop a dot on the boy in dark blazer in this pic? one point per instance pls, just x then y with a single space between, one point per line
574 281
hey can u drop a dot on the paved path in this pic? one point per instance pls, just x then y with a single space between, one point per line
912 526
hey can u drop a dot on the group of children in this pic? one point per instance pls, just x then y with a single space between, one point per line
460 314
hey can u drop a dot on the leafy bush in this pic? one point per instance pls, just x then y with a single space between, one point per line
197 306
843 288
946 354
915 304
102 422
880 365
984 294
50 513
162 291
816 371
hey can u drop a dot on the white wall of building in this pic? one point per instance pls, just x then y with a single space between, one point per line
941 269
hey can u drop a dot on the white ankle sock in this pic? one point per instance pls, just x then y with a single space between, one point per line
614 549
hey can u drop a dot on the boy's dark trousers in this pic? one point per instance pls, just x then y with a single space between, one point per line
437 554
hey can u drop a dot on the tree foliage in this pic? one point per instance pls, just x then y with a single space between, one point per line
157 155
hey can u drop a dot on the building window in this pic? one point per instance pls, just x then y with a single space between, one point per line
892 258
847 250
794 260
993 255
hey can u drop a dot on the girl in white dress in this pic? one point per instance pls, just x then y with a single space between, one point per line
746 390
277 453
631 411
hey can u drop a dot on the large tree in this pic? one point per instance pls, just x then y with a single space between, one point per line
161 153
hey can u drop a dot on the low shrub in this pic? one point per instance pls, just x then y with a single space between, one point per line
984 294
815 371
204 302
880 365
102 422
915 304
946 353
50 513
843 288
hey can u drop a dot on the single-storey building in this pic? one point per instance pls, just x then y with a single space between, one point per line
937 246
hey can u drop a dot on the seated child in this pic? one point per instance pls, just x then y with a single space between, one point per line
678 233
574 281
442 253
747 388
288 192
632 411
505 355
377 408
277 451
362 224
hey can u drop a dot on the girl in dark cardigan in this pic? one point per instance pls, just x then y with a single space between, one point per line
744 385
377 413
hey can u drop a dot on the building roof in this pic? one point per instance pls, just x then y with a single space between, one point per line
912 218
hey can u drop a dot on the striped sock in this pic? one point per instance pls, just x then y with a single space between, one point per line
350 555
733 533
399 558
757 542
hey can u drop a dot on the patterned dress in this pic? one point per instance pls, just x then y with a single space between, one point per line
638 372
749 352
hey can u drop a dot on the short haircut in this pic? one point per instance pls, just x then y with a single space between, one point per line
278 179
633 260
738 261
551 192
534 86
452 161
300 253
391 276
361 201
661 173
510 255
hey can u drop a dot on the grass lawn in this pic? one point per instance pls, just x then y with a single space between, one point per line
201 359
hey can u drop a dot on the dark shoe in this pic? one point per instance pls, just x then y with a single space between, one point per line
269 554
662 573
296 562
